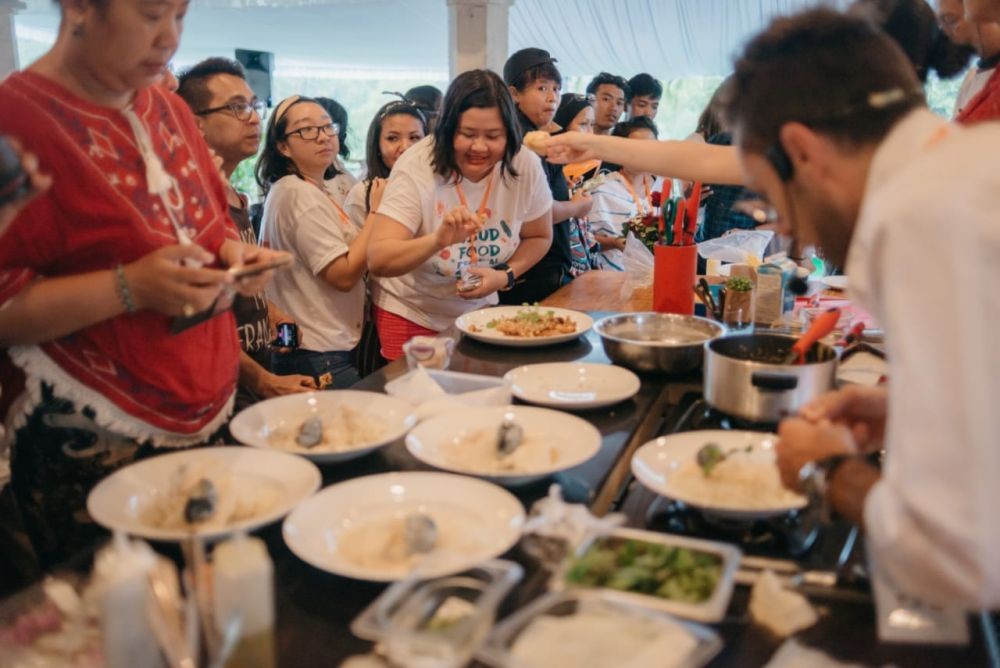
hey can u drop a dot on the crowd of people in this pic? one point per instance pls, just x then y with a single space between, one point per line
127 330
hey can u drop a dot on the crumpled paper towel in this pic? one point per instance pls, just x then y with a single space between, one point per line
420 388
780 610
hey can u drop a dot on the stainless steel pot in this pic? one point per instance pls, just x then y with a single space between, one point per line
746 378
661 342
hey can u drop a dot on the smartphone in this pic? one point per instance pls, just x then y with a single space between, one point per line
249 270
288 336
14 182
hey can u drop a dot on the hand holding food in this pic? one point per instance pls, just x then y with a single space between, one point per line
803 442
490 280
862 409
536 141
570 147
457 225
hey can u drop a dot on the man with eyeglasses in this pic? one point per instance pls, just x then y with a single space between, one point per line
229 116
610 92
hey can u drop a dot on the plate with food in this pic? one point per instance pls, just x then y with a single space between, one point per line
730 474
385 527
524 326
507 444
212 492
326 427
573 385
689 577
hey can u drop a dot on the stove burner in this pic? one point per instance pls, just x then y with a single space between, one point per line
792 534
701 415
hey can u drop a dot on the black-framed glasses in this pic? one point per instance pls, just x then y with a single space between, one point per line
242 111
311 132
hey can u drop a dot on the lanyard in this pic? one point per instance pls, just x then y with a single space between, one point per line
481 211
345 220
635 197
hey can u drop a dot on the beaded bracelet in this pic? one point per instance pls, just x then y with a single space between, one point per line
121 287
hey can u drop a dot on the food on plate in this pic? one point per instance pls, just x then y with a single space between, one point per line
395 543
530 322
342 428
235 501
535 140
476 451
641 567
741 478
599 637
311 432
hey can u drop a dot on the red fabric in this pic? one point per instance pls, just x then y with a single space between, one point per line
395 330
985 106
98 214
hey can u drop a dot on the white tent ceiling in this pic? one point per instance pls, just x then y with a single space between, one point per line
357 38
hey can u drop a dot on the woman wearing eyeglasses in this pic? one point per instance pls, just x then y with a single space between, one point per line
132 233
323 290
467 197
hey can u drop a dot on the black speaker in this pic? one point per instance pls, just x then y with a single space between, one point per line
259 66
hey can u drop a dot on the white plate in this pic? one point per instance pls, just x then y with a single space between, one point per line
480 318
573 385
547 434
835 282
485 517
122 500
258 424
656 463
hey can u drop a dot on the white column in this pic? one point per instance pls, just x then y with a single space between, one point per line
8 40
477 35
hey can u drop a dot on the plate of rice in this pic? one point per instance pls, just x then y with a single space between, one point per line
744 484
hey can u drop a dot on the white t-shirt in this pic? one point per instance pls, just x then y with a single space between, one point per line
613 206
341 184
299 218
418 198
354 203
925 262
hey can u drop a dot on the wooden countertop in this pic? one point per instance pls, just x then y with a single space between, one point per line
601 290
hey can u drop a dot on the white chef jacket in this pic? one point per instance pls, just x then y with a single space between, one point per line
925 261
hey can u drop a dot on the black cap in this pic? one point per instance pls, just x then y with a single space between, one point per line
524 60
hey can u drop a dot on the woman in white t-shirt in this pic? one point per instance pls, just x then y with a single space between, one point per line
323 290
623 196
467 197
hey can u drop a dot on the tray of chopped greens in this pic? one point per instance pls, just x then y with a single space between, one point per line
687 577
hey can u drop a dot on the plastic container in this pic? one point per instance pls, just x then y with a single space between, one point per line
243 585
438 622
711 610
701 643
430 352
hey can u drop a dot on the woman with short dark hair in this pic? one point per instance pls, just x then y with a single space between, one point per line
467 198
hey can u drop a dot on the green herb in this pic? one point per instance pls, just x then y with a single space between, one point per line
739 284
709 457
641 567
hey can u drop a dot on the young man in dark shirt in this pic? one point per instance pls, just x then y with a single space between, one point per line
610 92
643 98
535 84
229 116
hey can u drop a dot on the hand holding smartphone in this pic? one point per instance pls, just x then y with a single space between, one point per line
257 268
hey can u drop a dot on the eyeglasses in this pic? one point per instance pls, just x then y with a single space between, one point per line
589 97
242 111
311 132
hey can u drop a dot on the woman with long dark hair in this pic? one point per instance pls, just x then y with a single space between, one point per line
468 200
323 290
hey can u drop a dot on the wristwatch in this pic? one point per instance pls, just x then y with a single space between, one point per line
504 267
814 478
